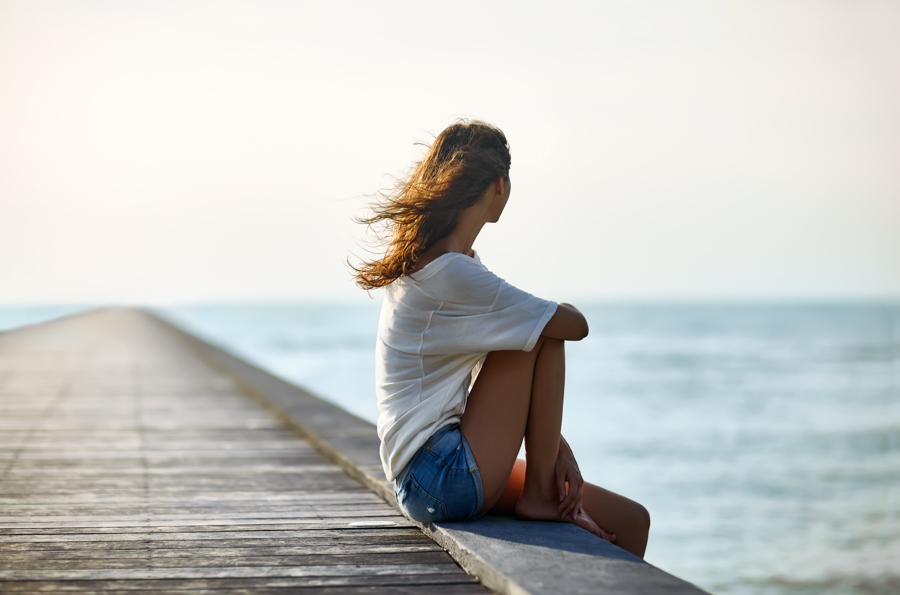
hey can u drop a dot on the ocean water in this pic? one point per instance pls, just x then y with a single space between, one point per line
23 315
764 440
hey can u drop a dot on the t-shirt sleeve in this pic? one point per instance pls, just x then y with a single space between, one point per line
480 312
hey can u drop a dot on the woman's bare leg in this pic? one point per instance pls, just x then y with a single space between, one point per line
520 394
625 518
497 412
540 495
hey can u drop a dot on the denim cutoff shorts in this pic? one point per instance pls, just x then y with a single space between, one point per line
441 482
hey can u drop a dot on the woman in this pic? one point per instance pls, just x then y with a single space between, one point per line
468 365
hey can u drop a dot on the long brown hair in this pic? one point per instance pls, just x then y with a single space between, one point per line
458 168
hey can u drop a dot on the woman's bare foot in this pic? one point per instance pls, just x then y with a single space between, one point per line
587 523
535 508
540 509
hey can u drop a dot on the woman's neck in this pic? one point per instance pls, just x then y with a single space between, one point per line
460 240
468 226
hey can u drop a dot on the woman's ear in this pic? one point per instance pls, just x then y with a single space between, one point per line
499 186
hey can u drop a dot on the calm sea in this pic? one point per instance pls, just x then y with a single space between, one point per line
764 440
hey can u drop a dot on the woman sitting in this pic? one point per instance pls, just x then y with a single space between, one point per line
468 365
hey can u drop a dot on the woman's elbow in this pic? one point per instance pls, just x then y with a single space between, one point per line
578 325
583 329
567 324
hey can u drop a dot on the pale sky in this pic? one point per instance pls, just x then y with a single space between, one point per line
158 152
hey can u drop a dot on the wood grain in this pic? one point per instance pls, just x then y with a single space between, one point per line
129 465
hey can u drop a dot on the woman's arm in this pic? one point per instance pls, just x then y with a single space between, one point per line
567 323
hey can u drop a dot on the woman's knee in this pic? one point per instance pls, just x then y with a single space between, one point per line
545 347
549 345
551 356
640 518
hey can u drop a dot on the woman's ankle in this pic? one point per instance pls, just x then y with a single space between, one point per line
536 506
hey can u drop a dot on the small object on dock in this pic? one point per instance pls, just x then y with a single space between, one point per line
373 524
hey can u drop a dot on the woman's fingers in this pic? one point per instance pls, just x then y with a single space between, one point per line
571 504
561 487
569 500
610 537
578 494
568 481
565 497
580 491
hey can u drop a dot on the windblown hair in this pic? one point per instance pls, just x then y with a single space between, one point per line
458 168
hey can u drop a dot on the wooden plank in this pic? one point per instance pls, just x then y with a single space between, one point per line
332 570
343 520
448 589
210 532
451 588
196 539
320 539
228 510
202 498
225 512
204 560
422 583
19 511
210 550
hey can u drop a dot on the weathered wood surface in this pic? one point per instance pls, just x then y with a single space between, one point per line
128 464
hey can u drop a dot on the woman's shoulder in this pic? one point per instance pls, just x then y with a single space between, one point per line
461 279
455 277
447 264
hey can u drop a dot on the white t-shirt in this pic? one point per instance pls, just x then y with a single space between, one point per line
435 325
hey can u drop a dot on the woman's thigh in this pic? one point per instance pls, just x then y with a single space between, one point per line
496 414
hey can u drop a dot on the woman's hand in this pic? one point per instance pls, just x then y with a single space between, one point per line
567 472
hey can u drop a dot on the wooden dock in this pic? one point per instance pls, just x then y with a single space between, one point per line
128 464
